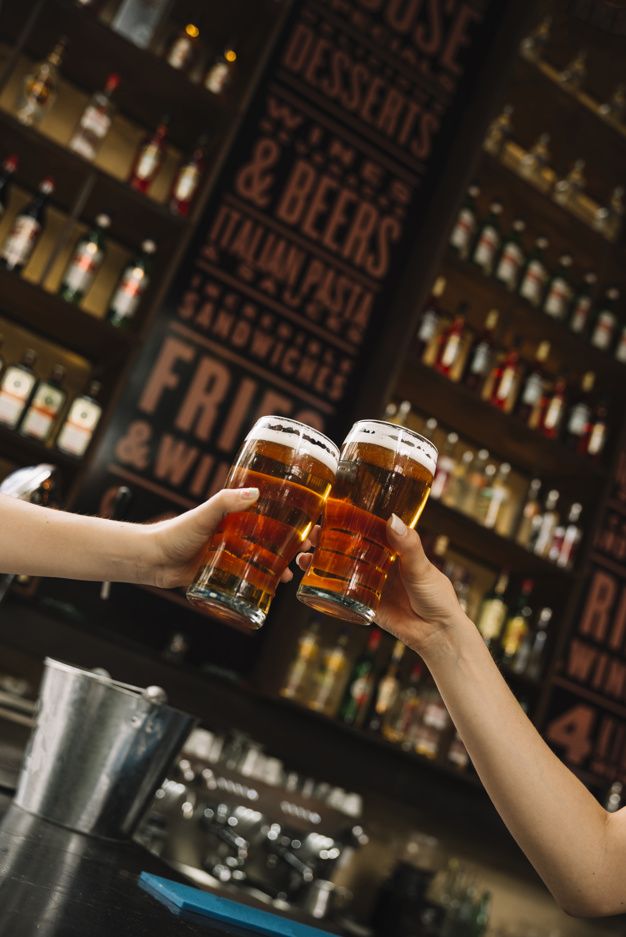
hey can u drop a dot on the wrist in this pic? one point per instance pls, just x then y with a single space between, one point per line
133 553
449 642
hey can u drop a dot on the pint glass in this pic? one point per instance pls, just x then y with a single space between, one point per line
293 466
384 469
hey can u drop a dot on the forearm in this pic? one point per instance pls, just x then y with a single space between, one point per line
555 820
36 541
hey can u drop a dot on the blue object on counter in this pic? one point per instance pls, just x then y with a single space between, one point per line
185 898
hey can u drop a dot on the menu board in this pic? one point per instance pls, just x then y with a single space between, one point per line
586 724
291 276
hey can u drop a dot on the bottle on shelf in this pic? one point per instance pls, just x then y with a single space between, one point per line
532 391
614 110
544 524
620 348
493 498
299 680
450 344
457 491
574 74
536 161
183 48
568 189
582 305
530 513
493 611
445 467
465 226
385 691
536 657
40 86
95 121
358 692
44 409
9 166
481 354
401 720
500 131
16 388
535 274
187 179
534 45
138 20
553 407
578 422
81 422
434 723
559 292
517 624
505 380
488 239
605 325
566 539
85 262
430 322
595 441
511 260
26 230
149 157
330 679
131 286
222 70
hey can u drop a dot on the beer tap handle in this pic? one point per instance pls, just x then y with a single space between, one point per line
118 511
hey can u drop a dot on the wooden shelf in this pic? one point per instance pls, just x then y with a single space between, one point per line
508 438
54 319
24 451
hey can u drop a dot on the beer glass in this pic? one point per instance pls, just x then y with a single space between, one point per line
293 466
384 469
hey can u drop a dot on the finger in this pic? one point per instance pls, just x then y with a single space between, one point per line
209 514
315 535
287 576
414 563
306 546
304 560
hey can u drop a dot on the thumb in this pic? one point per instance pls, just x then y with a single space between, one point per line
414 563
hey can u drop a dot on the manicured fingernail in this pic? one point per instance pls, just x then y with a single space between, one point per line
398 526
249 494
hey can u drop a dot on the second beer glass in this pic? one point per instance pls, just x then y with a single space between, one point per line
293 466
384 469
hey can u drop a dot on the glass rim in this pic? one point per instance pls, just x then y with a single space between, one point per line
397 428
307 426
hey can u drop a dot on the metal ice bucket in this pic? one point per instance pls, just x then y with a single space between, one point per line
98 751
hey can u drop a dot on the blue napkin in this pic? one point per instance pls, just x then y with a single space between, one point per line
185 898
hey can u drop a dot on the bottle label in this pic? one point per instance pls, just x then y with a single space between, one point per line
14 393
43 411
534 282
83 268
428 327
21 242
578 419
491 619
510 264
558 299
217 77
79 427
95 121
130 290
533 390
597 439
360 689
481 359
180 53
488 244
580 315
515 632
387 694
463 230
553 413
505 386
186 183
603 332
453 346
148 162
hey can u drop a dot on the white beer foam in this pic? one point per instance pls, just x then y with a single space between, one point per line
298 436
397 438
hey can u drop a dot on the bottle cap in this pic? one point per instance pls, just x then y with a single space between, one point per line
519 225
148 247
103 221
483 454
58 373
565 260
591 278
496 207
474 191
439 286
192 30
112 82
11 163
542 243
94 389
505 468
47 186
453 438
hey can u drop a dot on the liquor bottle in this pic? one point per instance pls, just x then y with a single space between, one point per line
16 387
475 482
131 286
582 305
488 240
40 87
95 121
183 47
47 401
138 20
620 348
6 177
401 719
511 260
536 160
431 318
465 225
517 624
358 692
493 612
532 392
536 656
458 490
578 422
482 914
559 292
568 189
299 680
505 381
434 723
534 45
553 407
81 422
500 131
445 467
450 345
386 690
481 355
330 679
565 545
544 524
605 326
535 275
222 70
187 179
575 72
85 262
149 157
27 228
531 511
598 431
493 497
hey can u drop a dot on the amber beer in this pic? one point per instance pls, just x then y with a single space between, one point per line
293 466
384 469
